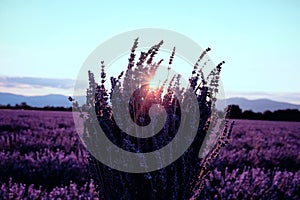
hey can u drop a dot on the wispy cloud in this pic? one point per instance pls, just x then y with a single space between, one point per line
37 82
30 86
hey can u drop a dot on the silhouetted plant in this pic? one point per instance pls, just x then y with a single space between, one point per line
184 178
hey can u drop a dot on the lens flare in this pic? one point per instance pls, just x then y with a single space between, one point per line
153 84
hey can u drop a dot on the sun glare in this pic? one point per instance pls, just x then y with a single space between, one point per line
153 84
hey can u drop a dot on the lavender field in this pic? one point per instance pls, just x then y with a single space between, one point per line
41 157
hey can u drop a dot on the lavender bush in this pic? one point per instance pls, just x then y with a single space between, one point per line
34 143
183 179
261 162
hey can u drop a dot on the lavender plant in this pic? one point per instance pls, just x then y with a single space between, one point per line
182 179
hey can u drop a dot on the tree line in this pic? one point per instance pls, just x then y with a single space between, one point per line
235 113
278 115
24 106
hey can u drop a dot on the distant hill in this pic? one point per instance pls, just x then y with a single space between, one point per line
35 101
258 105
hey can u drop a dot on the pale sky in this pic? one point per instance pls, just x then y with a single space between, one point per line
259 40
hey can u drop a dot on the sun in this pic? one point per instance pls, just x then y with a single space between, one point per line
153 84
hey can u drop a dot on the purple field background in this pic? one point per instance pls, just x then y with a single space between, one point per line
41 157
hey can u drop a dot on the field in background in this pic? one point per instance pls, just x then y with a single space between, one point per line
42 156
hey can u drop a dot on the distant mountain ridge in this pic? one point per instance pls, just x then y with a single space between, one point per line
35 101
257 105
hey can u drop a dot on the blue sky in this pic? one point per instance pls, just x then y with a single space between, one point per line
258 40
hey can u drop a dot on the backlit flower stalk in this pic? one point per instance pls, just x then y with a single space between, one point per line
184 178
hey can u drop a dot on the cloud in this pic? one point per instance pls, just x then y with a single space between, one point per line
30 86
11 82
